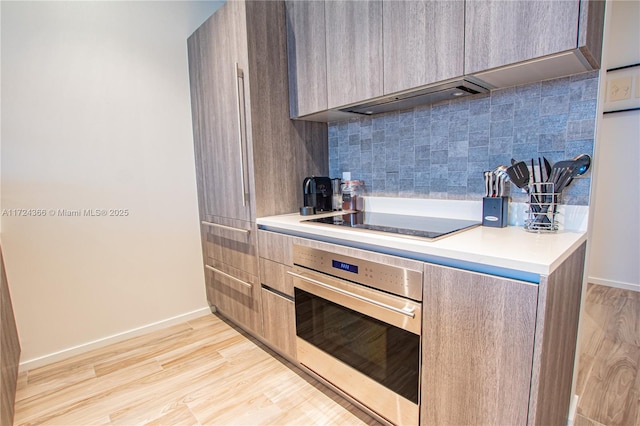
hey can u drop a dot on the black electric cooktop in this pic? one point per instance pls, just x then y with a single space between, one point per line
413 226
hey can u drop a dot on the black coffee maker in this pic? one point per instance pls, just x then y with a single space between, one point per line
317 194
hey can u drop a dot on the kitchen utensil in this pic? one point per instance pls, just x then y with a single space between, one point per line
547 169
580 166
558 170
501 182
536 198
487 183
519 174
502 177
491 177
583 162
542 171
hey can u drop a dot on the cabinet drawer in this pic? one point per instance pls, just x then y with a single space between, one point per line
232 245
236 294
274 275
276 247
279 322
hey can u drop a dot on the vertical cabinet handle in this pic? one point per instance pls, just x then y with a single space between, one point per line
239 78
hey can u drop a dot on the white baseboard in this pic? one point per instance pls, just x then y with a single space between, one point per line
119 337
612 283
573 408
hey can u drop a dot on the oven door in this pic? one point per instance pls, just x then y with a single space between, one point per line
364 341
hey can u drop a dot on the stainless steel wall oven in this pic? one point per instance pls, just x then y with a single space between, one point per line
358 325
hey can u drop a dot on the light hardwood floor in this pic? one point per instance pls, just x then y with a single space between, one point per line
203 371
207 372
608 368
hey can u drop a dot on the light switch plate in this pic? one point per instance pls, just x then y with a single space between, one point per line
622 89
619 89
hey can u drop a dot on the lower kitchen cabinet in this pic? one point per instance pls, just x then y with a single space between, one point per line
231 265
477 348
278 310
236 295
231 242
499 351
279 322
494 350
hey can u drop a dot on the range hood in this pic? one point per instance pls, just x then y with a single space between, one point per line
423 96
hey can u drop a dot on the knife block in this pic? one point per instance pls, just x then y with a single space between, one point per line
495 211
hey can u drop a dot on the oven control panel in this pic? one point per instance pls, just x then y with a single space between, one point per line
390 278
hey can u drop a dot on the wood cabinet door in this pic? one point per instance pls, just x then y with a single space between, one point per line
236 295
478 336
218 83
354 51
506 32
423 42
232 243
307 54
279 322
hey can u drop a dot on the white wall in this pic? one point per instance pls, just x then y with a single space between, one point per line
96 115
615 210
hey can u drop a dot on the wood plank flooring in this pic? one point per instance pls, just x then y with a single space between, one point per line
608 368
201 372
206 372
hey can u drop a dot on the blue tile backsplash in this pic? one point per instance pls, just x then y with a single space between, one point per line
441 150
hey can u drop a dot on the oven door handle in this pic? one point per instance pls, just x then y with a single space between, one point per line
410 312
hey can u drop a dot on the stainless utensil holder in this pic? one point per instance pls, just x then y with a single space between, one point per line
542 214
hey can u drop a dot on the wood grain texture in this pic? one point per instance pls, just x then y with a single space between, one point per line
500 33
307 57
477 338
591 30
197 373
284 152
233 248
213 53
423 42
279 323
609 364
278 153
354 51
556 341
276 247
237 298
9 350
274 275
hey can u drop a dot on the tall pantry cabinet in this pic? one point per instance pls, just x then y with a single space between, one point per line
250 157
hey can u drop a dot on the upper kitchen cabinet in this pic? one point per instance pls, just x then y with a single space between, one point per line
307 53
354 51
506 41
423 42
251 158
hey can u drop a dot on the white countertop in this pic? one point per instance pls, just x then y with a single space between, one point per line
499 251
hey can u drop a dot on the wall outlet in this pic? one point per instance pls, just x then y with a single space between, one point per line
619 89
